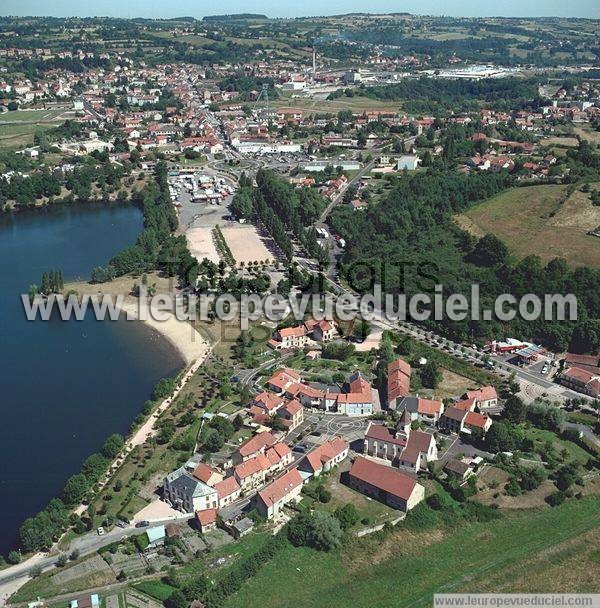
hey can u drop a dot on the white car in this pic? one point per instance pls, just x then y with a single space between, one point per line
545 369
101 531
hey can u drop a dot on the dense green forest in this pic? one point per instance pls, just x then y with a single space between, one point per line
425 94
409 242
282 209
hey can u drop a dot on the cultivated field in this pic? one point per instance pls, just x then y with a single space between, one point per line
247 245
537 220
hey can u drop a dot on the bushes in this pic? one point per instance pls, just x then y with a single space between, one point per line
141 542
243 570
421 517
156 589
545 416
566 476
341 351
164 388
319 530
556 498
317 492
347 515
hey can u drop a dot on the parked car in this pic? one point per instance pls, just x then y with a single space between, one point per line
100 531
142 524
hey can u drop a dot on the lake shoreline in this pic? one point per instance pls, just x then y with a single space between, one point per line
188 342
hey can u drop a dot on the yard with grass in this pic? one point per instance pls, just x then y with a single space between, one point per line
520 551
451 385
573 452
540 220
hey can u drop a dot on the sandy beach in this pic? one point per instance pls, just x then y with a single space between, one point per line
190 344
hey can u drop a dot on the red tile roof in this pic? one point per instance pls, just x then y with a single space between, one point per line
203 472
485 393
398 381
228 486
292 407
256 444
579 374
206 517
284 377
292 332
252 466
280 488
322 454
378 432
383 477
476 419
429 407
269 401
465 404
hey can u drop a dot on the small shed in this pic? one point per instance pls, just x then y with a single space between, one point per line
156 536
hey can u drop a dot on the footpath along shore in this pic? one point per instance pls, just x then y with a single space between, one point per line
194 349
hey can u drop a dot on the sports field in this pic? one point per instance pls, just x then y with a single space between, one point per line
540 220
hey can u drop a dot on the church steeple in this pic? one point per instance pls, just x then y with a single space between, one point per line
403 428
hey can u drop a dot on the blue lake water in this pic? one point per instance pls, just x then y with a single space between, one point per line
65 386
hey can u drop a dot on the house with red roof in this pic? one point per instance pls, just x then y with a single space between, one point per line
324 457
252 472
228 490
207 475
475 421
207 520
297 337
484 397
398 382
268 402
281 380
289 337
427 411
582 381
458 420
292 414
271 499
386 484
254 446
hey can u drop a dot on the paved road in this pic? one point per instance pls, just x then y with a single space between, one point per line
85 544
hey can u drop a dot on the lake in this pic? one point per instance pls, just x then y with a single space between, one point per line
66 386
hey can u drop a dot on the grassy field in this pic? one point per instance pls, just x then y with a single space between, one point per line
538 220
30 115
452 385
19 136
354 104
18 128
575 453
525 551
